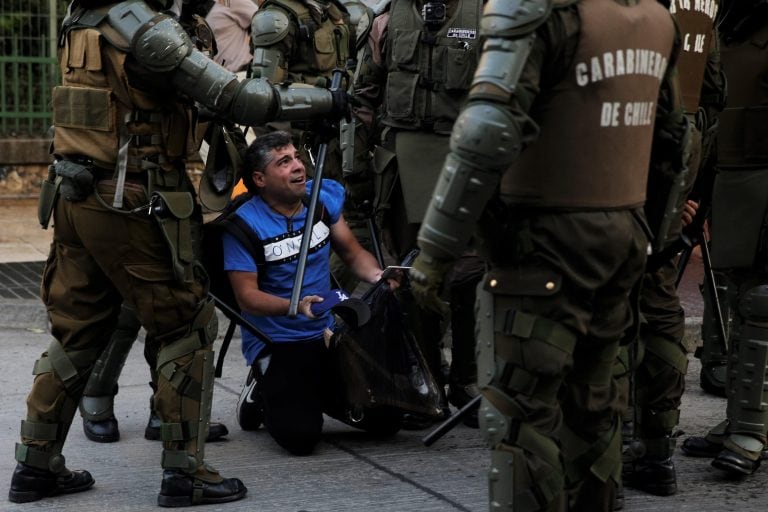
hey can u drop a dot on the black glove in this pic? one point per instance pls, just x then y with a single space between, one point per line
342 105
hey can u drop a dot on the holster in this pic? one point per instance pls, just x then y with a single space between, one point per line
173 211
49 193
76 180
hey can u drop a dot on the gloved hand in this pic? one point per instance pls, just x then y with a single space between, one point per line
342 105
427 274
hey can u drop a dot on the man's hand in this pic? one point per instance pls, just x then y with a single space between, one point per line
689 212
427 276
305 305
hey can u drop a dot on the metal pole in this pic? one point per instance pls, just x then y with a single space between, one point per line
53 30
306 237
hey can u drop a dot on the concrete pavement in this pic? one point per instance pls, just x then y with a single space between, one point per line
351 470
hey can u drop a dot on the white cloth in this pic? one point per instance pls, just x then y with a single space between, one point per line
230 21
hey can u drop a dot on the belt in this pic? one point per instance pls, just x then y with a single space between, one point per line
103 174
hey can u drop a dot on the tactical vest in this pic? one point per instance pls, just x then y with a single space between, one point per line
429 71
322 47
697 30
96 107
742 139
597 123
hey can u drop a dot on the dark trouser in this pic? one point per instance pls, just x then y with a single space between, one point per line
552 311
466 273
294 389
99 259
739 248
659 363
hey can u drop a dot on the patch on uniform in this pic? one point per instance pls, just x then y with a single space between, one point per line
462 33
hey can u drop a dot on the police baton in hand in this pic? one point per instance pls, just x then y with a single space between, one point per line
306 237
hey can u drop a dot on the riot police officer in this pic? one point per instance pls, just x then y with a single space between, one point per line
97 404
415 73
660 357
125 120
551 154
739 213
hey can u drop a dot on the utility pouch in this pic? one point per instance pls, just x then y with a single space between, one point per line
76 180
173 211
49 192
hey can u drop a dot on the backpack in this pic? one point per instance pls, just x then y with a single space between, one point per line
220 289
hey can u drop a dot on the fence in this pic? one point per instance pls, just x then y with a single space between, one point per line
28 69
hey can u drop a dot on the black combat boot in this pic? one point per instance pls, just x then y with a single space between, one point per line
182 490
654 476
700 446
102 431
735 463
654 472
741 454
32 484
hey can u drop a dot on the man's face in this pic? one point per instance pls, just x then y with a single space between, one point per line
284 177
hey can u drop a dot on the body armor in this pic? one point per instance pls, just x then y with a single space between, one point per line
696 24
430 70
97 110
322 45
742 140
739 202
588 113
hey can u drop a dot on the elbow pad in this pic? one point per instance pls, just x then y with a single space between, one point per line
257 102
484 143
158 41
513 18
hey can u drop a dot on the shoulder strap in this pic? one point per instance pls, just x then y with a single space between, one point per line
320 211
237 227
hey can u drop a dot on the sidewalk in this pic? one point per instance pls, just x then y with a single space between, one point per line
351 470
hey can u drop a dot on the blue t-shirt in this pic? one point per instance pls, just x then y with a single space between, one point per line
281 253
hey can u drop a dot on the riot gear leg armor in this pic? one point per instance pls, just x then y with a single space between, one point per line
712 354
508 338
185 388
97 403
43 441
748 398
